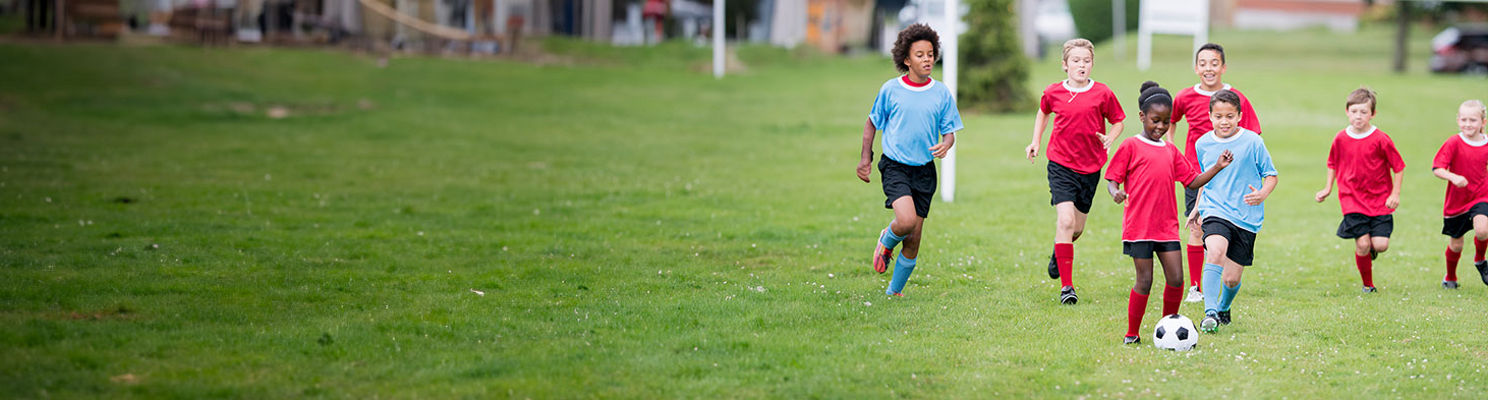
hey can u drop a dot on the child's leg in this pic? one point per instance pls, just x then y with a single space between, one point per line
1480 236
1231 279
1172 262
1215 248
1070 221
1454 253
1136 304
908 256
904 219
1380 243
1363 246
1195 254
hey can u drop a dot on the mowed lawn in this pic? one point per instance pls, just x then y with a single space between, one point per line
268 223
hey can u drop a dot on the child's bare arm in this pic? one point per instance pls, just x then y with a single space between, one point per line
1456 180
1040 122
1113 133
1396 177
865 165
1117 195
1203 179
939 150
1327 188
1256 197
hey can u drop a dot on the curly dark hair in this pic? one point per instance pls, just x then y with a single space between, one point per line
909 36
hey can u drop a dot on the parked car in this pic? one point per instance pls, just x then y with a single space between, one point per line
1460 49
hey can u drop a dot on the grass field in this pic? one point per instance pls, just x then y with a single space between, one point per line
617 223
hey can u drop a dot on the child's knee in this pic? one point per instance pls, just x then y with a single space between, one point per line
1362 248
1381 245
1076 234
1230 281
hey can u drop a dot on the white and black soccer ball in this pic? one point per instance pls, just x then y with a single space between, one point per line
1175 332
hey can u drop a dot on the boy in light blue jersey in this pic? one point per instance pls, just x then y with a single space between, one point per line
919 119
1231 205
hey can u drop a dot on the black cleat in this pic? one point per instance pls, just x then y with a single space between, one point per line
1131 340
1373 254
1482 270
1053 267
1223 316
1067 295
1370 289
1449 284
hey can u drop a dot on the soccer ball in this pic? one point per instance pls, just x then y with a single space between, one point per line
1175 332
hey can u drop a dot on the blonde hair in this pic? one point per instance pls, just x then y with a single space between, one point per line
1077 42
1478 104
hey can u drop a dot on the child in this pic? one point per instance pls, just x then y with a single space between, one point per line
1231 206
919 120
1367 167
1148 166
1077 151
1463 161
1193 103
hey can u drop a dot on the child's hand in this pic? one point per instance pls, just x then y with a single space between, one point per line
1031 151
1459 181
1323 195
1119 197
1108 138
1224 159
939 150
1193 219
1393 202
1255 197
864 168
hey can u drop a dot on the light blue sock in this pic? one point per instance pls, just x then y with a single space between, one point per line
1228 296
1212 286
902 268
889 239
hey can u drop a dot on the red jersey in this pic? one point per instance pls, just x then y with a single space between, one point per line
1363 165
1147 171
1193 103
1469 159
1081 115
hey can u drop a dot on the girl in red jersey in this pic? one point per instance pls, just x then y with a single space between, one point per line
1193 103
1077 151
1147 166
1463 162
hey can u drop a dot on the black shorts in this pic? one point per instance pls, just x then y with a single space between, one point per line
1190 197
1067 185
1242 242
900 179
1462 223
1145 248
1355 225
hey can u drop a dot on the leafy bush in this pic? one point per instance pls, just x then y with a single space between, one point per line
993 71
1093 18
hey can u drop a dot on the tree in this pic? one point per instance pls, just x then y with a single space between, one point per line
994 72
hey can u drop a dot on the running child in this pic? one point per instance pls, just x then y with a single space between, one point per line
1364 162
1193 103
1463 162
1077 151
1147 166
919 120
1231 206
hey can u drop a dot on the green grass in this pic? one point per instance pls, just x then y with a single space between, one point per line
640 229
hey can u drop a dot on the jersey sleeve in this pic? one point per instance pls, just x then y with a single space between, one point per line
1111 109
1182 169
1248 118
1263 159
1046 103
879 114
1443 157
1397 164
950 116
1117 170
1334 154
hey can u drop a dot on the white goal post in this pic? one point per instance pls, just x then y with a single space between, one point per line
1172 17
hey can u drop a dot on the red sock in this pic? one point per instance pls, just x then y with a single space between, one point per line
1366 269
1195 264
1478 246
1172 296
1064 254
1452 258
1135 307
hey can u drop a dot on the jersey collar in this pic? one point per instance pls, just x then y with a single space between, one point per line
1144 139
1350 132
1198 89
904 81
1474 143
1073 89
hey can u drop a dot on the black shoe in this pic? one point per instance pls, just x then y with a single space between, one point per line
1053 268
1224 317
1370 289
1373 254
1449 284
1482 270
1067 295
1131 340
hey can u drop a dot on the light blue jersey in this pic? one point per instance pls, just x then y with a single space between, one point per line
1224 196
913 118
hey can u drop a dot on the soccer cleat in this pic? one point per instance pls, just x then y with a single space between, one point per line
1223 316
1482 270
900 294
1373 254
1449 284
1209 324
1067 295
882 255
1053 267
1194 295
1131 340
1370 289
